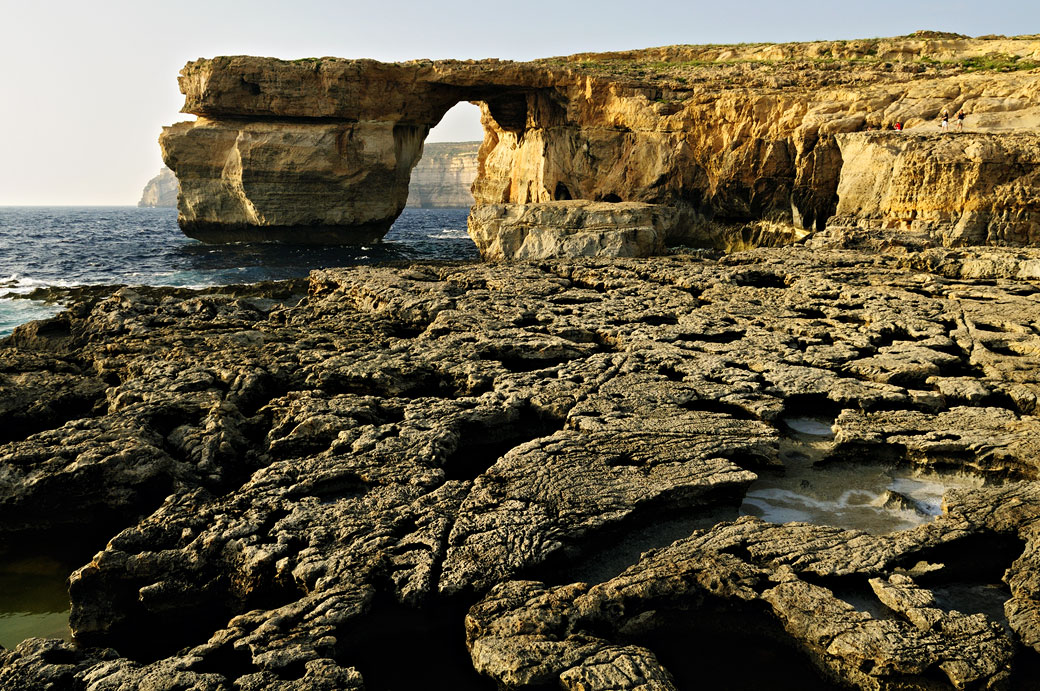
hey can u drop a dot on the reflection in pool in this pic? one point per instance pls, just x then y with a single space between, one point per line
873 498
34 600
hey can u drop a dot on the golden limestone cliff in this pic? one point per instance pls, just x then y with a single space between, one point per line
965 189
723 136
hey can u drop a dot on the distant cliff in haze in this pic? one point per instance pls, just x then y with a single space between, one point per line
160 190
444 174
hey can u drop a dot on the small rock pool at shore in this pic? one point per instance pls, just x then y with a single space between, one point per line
875 498
34 601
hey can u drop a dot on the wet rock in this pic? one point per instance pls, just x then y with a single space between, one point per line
39 391
546 498
704 573
900 502
988 439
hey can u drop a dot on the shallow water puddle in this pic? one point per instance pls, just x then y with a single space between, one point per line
813 427
34 601
873 498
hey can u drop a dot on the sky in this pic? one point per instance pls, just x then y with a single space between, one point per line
86 86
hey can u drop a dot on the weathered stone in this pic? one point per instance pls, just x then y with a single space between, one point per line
539 501
309 491
959 189
321 149
570 229
303 182
991 439
849 646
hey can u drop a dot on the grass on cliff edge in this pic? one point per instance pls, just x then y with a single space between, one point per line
994 62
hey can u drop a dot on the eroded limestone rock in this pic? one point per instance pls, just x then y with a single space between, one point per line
321 149
952 189
292 485
571 229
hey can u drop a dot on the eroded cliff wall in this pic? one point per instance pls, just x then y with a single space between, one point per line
961 189
721 134
734 136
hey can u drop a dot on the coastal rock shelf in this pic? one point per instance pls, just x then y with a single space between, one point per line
391 474
322 149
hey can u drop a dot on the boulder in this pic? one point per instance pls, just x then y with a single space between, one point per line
571 229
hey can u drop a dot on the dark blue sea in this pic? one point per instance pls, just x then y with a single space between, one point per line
69 246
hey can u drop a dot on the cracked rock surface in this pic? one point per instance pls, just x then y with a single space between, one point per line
400 470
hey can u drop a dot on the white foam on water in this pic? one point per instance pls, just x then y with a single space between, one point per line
450 234
15 312
22 285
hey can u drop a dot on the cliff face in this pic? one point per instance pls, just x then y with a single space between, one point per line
969 189
160 190
444 175
722 134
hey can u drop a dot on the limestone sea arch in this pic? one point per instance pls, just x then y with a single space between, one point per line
321 150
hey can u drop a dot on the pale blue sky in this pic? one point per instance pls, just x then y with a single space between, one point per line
86 86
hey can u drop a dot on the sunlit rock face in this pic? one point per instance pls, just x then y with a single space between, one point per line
322 149
297 181
968 189
316 151
570 229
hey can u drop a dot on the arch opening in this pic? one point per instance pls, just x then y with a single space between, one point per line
444 175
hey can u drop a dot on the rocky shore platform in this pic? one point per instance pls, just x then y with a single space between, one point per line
400 477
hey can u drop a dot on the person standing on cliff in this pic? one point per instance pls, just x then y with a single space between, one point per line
960 120
945 115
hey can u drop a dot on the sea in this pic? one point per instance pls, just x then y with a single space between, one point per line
72 246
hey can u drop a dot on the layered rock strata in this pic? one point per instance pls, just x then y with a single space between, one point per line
442 179
290 491
726 134
960 189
